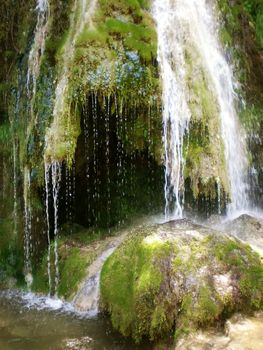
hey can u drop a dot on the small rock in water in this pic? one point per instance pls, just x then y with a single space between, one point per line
29 279
240 334
77 344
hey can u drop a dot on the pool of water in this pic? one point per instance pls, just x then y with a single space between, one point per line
29 322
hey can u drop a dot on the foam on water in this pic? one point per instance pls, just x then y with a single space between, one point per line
32 301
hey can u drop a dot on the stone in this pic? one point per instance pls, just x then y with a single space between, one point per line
182 274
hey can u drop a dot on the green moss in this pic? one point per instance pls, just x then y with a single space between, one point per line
11 254
73 264
91 37
150 284
129 293
62 138
5 133
72 271
113 54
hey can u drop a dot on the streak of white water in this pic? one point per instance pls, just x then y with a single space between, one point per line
15 213
28 229
176 114
38 46
47 183
178 23
107 102
34 60
218 184
86 9
87 298
56 179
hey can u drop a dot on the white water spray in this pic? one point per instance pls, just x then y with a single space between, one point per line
34 61
38 46
180 22
176 114
27 229
56 172
218 185
47 182
15 213
86 9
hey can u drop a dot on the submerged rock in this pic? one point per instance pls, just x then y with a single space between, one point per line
179 277
83 343
240 333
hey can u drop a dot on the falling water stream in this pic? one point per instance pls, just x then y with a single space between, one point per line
38 47
15 212
27 228
47 182
34 60
86 9
180 22
56 179
176 113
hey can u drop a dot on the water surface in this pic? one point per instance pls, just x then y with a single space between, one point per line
28 322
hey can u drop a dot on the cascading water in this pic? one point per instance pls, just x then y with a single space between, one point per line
218 185
107 154
47 181
28 229
176 114
15 213
181 23
119 164
86 9
34 59
56 179
95 156
38 46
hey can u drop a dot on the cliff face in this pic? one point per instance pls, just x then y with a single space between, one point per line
80 87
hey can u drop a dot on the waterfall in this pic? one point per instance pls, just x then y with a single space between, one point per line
180 22
34 60
95 157
176 114
38 46
56 179
15 212
47 181
27 229
86 9
218 185
107 154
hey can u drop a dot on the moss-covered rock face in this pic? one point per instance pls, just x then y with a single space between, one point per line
81 253
77 249
110 51
179 277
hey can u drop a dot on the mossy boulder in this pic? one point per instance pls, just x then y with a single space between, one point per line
178 277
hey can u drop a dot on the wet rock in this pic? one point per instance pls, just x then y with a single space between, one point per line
87 297
240 333
248 229
83 343
179 277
